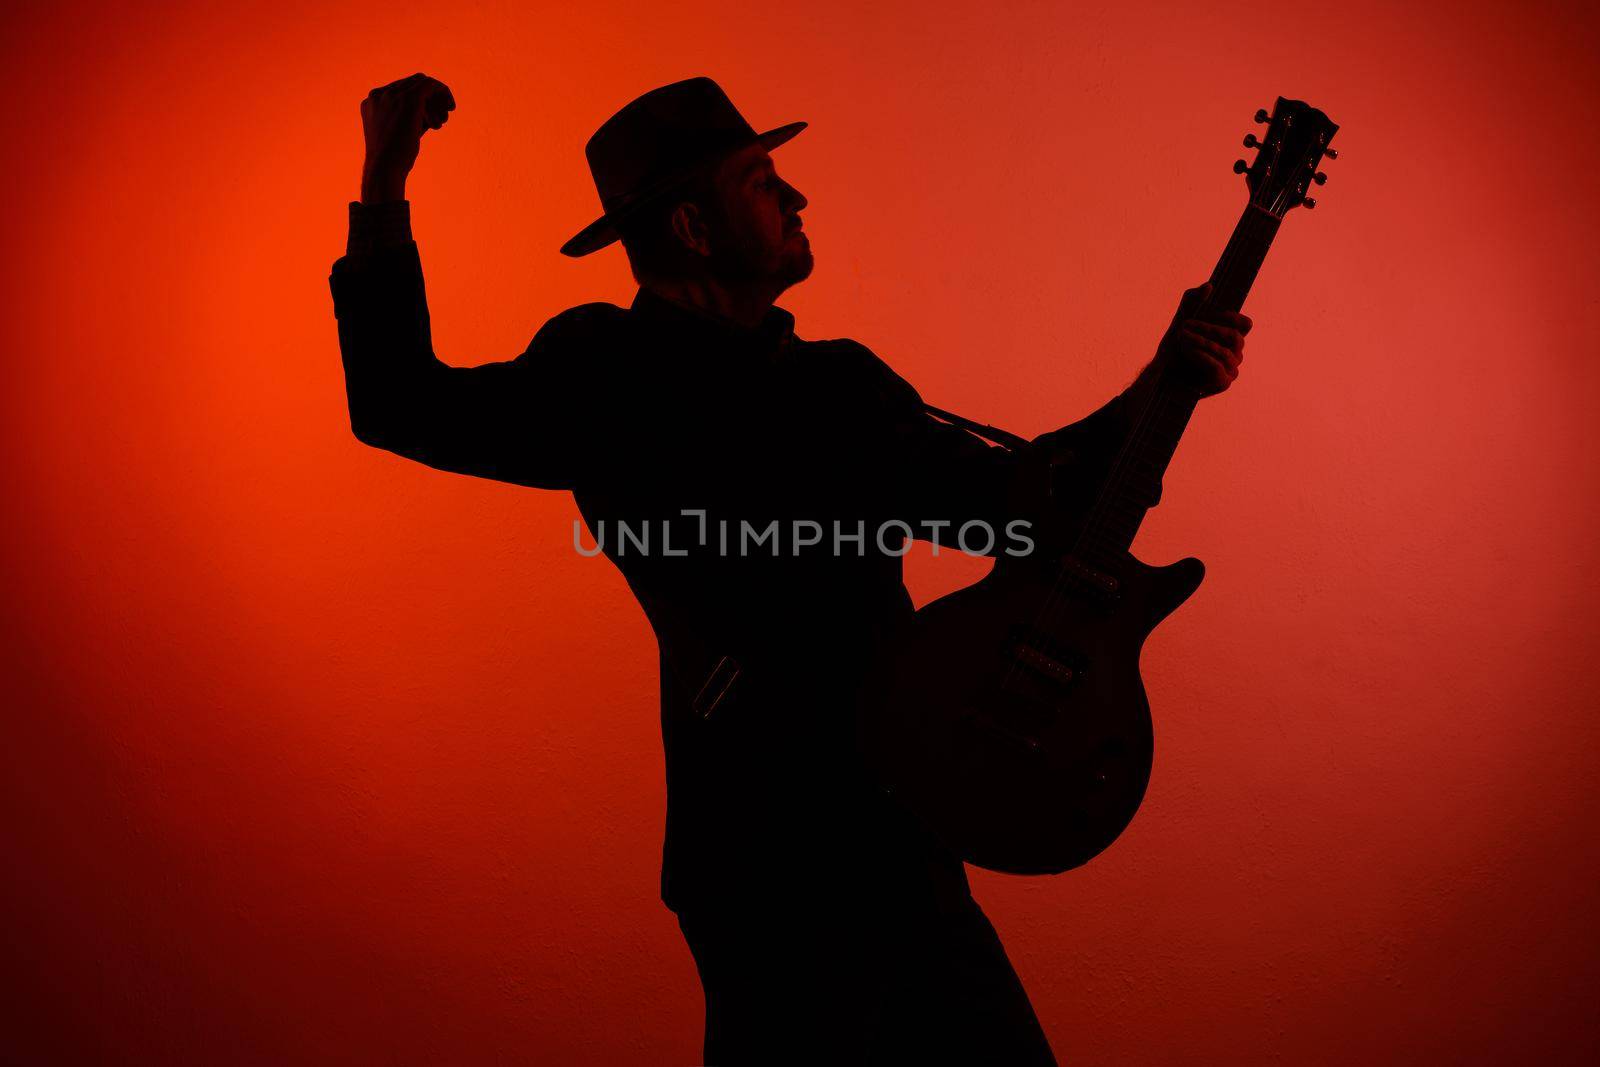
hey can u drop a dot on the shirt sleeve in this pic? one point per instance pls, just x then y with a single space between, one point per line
377 227
531 420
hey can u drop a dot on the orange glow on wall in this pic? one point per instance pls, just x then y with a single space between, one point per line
314 755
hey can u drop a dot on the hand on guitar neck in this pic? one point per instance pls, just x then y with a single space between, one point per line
1205 344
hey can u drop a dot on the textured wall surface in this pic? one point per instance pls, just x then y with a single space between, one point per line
313 755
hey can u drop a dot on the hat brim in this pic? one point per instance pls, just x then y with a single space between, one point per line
602 231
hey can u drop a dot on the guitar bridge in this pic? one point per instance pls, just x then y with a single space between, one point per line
1027 742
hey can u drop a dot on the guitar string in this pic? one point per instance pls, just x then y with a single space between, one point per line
1251 236
1155 410
1149 416
1156 406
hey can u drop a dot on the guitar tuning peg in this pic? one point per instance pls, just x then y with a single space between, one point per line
1319 177
1330 153
1250 141
1261 115
1310 203
1240 166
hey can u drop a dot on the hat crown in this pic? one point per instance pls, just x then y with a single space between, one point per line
662 134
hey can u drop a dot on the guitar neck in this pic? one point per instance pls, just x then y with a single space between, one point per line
1162 407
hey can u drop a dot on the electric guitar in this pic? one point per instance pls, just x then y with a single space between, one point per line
1010 715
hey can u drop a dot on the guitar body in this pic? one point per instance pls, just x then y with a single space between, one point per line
1013 721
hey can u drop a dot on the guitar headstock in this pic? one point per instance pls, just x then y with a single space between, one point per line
1287 157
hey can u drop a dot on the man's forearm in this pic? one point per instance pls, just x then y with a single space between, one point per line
381 185
1068 465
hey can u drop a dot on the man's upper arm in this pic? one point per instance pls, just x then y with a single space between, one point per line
529 420
940 476
947 475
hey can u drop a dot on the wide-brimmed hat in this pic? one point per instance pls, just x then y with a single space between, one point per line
657 143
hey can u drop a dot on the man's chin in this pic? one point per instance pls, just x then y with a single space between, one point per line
797 267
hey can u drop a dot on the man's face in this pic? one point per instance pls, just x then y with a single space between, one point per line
758 235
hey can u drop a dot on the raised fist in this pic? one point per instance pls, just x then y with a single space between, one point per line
394 118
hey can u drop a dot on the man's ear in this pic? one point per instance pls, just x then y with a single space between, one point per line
690 227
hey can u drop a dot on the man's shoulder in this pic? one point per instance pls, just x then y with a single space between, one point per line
579 340
861 365
591 321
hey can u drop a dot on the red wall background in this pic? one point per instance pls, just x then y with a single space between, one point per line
313 755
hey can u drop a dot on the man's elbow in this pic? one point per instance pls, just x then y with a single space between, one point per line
370 433
381 411
377 428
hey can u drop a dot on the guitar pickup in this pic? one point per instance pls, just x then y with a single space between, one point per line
1048 666
1042 660
716 687
1095 580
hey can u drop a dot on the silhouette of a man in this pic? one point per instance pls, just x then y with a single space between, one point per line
742 479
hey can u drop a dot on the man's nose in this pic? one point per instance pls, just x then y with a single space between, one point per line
796 199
